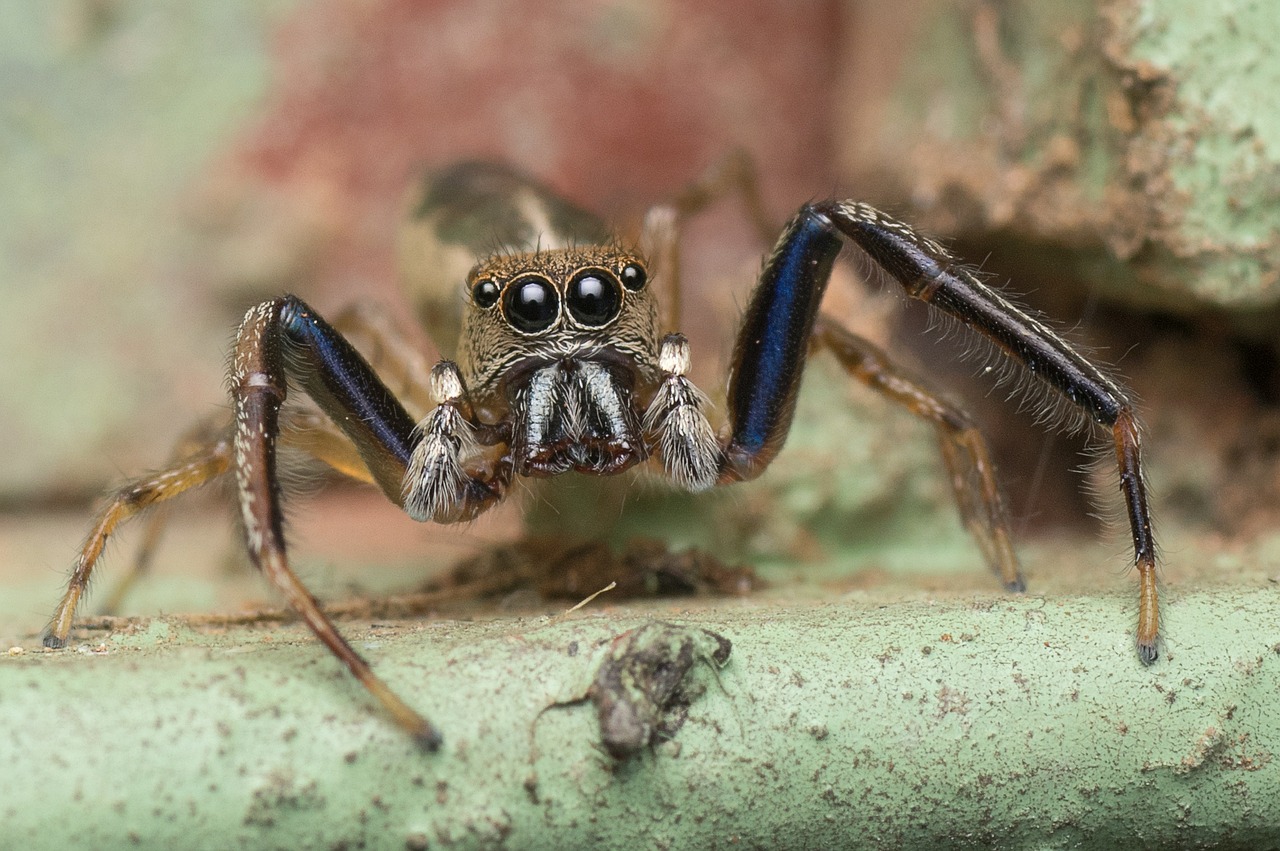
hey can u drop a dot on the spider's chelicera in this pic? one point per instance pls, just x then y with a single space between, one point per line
565 360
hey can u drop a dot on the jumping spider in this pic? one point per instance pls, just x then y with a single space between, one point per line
566 360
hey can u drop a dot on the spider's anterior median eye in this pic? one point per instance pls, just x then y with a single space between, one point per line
531 305
593 298
485 294
633 276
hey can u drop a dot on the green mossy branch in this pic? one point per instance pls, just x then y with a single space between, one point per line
1018 722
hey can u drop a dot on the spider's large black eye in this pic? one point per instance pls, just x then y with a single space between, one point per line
633 276
485 294
593 298
531 305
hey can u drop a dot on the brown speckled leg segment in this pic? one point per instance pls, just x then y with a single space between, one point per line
206 465
972 474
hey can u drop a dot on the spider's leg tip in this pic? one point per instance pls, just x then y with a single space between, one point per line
1018 585
53 642
1148 653
428 739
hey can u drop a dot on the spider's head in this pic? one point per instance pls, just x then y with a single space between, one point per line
523 310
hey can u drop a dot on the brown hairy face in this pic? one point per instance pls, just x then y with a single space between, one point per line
556 304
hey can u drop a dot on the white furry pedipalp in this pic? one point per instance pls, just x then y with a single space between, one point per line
434 481
686 440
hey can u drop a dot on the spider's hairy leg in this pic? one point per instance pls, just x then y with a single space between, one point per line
929 273
973 479
209 437
450 479
152 532
305 431
202 455
285 336
204 465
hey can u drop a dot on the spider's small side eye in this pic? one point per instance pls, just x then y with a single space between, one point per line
593 298
531 305
633 276
485 294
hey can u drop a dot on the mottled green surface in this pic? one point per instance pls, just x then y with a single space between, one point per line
1019 722
1138 132
1225 159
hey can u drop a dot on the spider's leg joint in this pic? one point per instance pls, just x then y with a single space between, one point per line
263 381
916 261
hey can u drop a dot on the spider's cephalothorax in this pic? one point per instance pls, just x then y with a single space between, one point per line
565 340
559 368
566 360
566 303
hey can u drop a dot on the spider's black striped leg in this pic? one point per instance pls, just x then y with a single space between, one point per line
280 341
203 454
973 479
928 272
779 320
390 353
769 354
391 350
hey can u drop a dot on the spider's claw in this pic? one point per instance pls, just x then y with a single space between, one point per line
428 738
1147 653
1017 585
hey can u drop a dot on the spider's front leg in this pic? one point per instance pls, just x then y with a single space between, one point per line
778 328
280 341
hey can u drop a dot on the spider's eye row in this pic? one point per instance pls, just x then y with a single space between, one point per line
485 294
633 276
531 305
593 298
